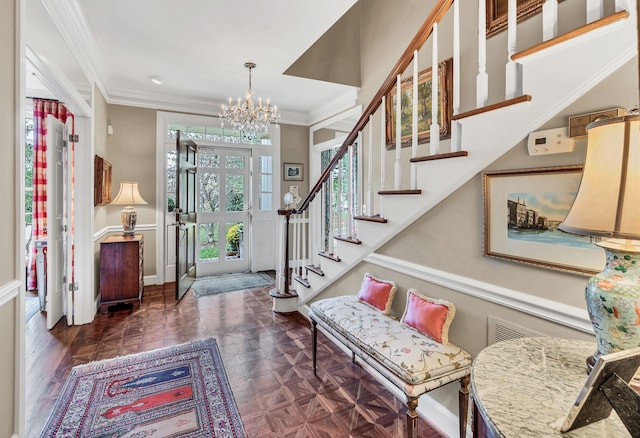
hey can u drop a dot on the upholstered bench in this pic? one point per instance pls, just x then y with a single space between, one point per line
408 358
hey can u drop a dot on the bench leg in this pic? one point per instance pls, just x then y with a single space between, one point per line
412 417
463 404
353 357
314 349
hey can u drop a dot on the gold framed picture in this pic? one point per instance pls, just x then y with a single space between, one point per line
445 108
497 13
522 211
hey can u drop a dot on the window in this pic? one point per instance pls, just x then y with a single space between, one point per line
265 183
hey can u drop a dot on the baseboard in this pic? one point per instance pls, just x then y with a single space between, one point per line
150 280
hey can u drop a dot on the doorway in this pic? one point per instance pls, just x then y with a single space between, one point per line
237 197
223 221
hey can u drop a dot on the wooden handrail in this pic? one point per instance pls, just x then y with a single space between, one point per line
437 13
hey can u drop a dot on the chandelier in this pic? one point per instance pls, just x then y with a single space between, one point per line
247 117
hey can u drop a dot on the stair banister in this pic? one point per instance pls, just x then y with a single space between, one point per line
437 13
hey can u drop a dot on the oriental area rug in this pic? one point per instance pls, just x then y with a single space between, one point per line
231 282
169 392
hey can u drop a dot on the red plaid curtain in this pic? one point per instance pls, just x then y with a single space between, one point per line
41 108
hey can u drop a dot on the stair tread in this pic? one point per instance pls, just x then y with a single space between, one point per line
348 240
375 218
400 192
439 156
494 106
315 269
330 256
573 34
302 281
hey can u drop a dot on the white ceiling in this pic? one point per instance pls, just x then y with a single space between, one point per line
198 47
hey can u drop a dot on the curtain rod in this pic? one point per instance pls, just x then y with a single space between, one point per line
42 98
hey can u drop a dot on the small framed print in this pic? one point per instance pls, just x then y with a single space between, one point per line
293 171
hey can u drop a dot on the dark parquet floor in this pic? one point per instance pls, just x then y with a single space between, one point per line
267 357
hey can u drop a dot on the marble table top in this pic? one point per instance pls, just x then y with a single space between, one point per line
525 387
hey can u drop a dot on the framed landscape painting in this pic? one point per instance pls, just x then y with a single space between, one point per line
445 106
522 211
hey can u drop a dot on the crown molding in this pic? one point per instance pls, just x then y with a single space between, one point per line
68 18
164 102
72 25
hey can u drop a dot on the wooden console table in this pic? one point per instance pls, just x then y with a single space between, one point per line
121 271
525 387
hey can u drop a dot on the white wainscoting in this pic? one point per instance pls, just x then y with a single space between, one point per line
9 291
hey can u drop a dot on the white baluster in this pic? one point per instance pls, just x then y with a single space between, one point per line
332 215
339 194
396 164
305 234
359 177
482 79
369 206
511 77
323 213
456 144
549 19
434 131
350 195
414 121
280 256
595 10
383 164
296 245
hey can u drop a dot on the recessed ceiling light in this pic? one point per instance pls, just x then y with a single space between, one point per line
158 80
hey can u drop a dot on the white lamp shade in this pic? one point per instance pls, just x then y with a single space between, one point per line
608 200
128 194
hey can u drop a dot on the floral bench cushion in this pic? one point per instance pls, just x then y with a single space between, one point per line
409 355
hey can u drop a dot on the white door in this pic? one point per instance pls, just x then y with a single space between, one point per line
55 217
223 221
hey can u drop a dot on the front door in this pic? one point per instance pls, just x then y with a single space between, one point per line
185 227
55 222
223 210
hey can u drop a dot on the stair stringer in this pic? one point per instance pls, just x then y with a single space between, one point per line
554 78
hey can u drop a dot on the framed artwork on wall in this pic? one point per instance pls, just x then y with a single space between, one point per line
292 171
445 106
497 13
522 211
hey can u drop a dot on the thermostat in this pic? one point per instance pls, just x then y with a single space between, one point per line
550 141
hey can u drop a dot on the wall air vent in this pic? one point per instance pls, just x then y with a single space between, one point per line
500 330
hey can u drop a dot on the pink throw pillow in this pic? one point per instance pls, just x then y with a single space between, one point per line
429 316
379 293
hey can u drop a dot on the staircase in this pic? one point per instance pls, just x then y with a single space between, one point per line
342 221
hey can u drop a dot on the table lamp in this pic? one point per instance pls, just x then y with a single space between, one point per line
128 196
608 205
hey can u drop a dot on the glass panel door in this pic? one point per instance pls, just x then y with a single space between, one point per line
223 211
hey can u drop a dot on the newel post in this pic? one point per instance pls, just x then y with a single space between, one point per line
286 300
